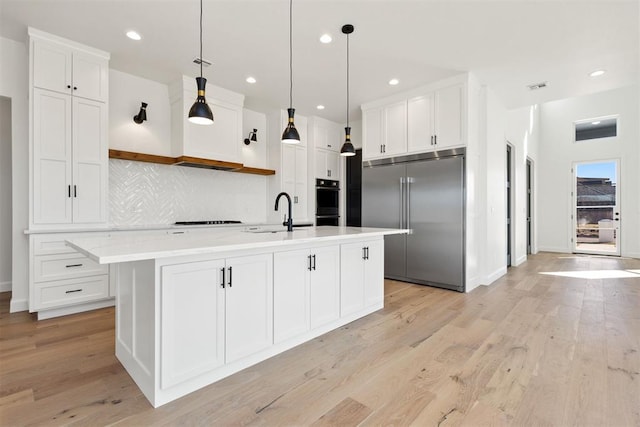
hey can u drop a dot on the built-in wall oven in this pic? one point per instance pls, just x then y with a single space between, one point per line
327 202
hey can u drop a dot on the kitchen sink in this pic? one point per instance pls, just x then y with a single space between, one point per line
262 230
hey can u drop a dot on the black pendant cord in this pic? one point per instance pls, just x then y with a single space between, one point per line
201 38
290 53
347 80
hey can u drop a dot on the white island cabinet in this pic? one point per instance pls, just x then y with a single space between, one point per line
194 308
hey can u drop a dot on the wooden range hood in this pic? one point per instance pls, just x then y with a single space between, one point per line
194 162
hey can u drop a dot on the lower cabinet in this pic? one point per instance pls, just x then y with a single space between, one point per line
362 275
214 312
306 290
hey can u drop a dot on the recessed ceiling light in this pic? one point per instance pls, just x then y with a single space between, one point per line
325 38
597 73
251 80
133 35
394 82
320 107
596 122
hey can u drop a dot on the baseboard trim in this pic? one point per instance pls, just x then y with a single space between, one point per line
17 305
553 249
520 260
633 255
63 311
5 286
496 275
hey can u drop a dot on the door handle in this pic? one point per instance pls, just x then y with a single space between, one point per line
75 191
401 201
69 191
314 261
408 224
435 139
230 278
309 259
222 270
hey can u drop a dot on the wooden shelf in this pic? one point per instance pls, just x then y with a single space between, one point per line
186 161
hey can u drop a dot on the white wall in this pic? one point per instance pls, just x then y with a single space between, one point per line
14 78
254 154
5 194
558 152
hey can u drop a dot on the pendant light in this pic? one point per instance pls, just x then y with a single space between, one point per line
347 148
200 113
290 134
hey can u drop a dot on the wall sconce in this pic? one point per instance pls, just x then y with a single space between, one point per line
142 114
252 137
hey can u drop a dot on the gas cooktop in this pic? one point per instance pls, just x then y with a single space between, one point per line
214 222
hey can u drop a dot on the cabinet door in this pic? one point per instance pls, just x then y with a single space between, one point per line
372 133
449 117
374 273
395 129
420 124
290 294
52 66
249 305
193 313
90 76
333 166
300 195
322 170
325 286
52 167
351 278
90 161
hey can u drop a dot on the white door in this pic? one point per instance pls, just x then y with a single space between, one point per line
449 117
52 154
596 197
52 67
325 285
420 124
193 313
290 294
374 273
351 278
372 133
395 129
90 76
249 305
90 161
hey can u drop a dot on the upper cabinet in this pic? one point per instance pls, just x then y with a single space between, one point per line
68 133
428 119
70 70
326 137
218 141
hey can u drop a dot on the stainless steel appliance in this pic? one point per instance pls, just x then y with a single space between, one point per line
426 194
327 202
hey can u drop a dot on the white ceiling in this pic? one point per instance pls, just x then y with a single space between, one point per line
507 44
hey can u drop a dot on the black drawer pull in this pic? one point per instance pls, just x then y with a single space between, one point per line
73 265
230 277
72 291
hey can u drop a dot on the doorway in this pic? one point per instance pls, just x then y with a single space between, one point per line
596 201
5 195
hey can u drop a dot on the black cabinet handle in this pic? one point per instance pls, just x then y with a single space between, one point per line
314 261
73 265
365 253
435 139
75 191
75 88
309 259
68 86
72 291
222 283
68 191
230 277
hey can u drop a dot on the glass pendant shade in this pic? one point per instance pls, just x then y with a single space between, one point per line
347 148
290 134
200 113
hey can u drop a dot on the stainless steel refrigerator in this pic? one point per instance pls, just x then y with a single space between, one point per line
426 194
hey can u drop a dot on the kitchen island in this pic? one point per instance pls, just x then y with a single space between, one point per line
194 308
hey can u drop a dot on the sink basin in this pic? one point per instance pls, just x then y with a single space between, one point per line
258 230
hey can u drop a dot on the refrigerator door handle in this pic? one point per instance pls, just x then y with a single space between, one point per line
402 201
410 181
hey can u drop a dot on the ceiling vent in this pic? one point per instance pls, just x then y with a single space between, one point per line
537 86
197 60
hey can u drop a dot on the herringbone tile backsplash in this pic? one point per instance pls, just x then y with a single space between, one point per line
150 194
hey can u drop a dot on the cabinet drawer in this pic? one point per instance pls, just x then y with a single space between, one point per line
71 291
65 266
49 244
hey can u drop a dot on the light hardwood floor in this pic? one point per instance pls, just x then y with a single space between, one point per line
531 349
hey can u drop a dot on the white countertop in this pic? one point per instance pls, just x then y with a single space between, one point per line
139 246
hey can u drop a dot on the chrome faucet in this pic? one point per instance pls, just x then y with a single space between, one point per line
289 221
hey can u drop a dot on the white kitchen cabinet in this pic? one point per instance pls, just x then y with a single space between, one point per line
324 134
360 265
193 320
70 159
71 70
327 165
218 141
306 290
428 119
385 130
290 161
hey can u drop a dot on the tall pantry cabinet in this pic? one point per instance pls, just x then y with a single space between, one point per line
68 172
